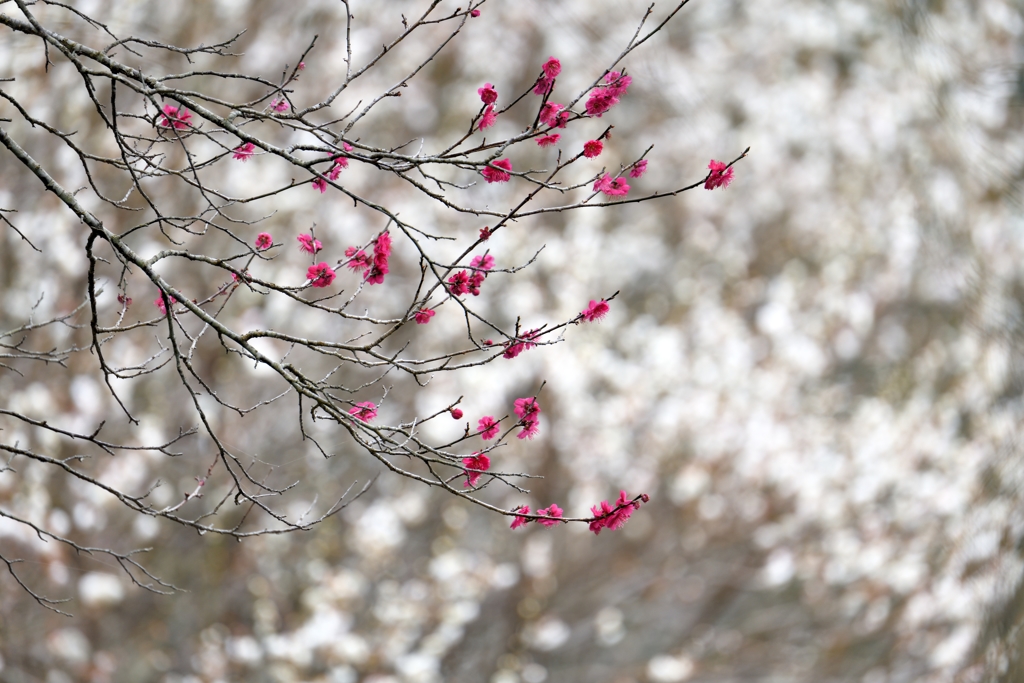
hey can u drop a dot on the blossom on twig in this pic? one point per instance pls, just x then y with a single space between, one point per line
520 520
308 244
553 512
176 118
514 348
264 241
488 95
340 164
488 427
381 253
720 175
549 113
497 171
613 187
528 411
365 411
488 118
551 69
595 311
320 275
358 259
608 516
475 466
483 262
244 152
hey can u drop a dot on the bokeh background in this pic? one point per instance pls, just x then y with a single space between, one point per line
816 373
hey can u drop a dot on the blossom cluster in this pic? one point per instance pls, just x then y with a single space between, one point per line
522 343
605 515
528 411
602 98
464 282
552 512
379 265
373 261
609 516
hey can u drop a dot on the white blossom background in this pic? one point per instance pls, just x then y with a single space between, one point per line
816 373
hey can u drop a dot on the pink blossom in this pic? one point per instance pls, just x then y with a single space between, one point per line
159 303
340 164
488 427
514 348
563 118
638 169
126 300
520 520
720 176
608 516
601 100
279 104
548 140
527 408
381 252
320 275
529 430
459 283
423 316
365 411
543 85
549 114
474 13
264 241
382 246
479 462
245 276
456 413
488 95
529 416
358 259
592 148
475 280
617 82
552 67
613 187
308 244
595 311
485 233
553 512
302 65
173 117
494 173
488 118
375 275
244 152
345 146
320 184
483 262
